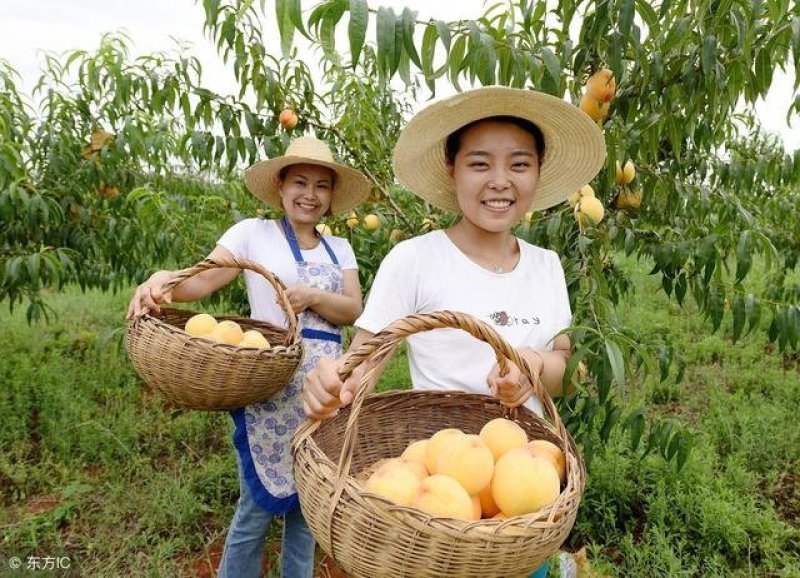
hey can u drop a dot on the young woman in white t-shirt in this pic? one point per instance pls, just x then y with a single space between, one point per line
491 154
321 276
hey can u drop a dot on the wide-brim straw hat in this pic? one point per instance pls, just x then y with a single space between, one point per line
574 146
350 189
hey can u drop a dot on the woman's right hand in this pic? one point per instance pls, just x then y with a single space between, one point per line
324 392
148 295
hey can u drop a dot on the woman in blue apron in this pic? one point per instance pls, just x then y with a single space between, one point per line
321 277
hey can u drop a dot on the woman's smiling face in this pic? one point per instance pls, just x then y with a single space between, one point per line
306 192
495 173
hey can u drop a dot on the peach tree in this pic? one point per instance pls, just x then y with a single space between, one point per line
122 164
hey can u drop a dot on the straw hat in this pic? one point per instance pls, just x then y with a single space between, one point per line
574 146
351 187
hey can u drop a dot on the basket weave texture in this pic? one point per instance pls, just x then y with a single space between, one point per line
370 537
195 373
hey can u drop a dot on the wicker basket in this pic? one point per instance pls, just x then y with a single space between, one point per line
370 537
195 373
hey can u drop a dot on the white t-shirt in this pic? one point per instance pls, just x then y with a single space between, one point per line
261 241
528 306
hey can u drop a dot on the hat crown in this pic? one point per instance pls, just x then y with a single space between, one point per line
310 148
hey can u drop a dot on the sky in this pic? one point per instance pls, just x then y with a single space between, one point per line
29 27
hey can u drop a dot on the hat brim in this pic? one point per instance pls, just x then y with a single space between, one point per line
574 145
350 189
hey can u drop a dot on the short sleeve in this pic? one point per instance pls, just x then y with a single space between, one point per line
236 239
344 253
394 290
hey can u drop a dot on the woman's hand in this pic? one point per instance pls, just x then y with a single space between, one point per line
324 392
148 295
513 388
302 297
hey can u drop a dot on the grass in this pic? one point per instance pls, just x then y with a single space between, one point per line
93 465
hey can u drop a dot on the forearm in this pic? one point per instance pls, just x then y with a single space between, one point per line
336 308
552 365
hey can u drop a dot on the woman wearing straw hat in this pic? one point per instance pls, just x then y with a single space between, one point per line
491 154
321 276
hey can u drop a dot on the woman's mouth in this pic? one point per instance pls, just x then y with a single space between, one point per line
499 205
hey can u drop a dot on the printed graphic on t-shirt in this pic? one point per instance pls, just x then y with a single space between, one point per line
503 318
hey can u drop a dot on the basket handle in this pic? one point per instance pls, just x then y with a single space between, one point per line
292 334
383 343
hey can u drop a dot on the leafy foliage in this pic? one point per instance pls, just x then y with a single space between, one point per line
134 164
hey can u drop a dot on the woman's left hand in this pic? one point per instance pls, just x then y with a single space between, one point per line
301 297
513 388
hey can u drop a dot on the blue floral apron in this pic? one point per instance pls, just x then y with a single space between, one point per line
263 432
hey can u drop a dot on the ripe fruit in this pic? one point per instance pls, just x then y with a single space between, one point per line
628 200
476 508
469 461
396 236
428 223
628 172
624 175
589 210
601 85
227 332
584 191
253 338
287 119
442 496
596 110
437 443
395 483
488 507
324 229
351 222
524 483
371 222
551 451
501 435
200 324
415 451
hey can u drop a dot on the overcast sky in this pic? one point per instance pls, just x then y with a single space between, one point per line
27 27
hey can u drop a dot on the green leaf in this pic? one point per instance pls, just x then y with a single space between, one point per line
294 10
487 61
752 312
357 28
739 316
285 26
456 60
615 54
614 356
763 71
385 38
626 11
552 64
635 423
428 52
409 22
709 57
444 34
744 256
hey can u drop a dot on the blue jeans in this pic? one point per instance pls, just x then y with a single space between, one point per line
244 546
541 571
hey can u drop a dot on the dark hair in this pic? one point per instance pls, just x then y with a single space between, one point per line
284 170
453 142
